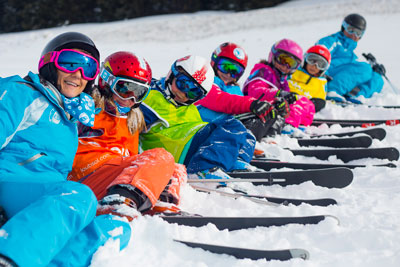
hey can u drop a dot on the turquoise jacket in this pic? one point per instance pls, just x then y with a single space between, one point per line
346 70
27 152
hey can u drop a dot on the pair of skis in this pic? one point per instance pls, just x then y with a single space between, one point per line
356 123
361 138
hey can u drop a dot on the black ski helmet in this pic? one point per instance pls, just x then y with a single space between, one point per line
67 40
356 21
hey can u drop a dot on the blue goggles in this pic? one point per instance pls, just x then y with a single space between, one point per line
352 30
185 83
229 67
69 61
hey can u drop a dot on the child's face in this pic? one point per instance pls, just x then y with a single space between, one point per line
312 69
225 77
179 95
282 68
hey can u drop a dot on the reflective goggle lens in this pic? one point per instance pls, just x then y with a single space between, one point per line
187 85
68 60
227 66
125 88
288 60
128 89
352 30
320 62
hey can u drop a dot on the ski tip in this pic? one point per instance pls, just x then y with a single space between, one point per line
300 253
333 217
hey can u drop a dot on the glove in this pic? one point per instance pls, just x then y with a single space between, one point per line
262 109
380 69
288 96
282 107
369 57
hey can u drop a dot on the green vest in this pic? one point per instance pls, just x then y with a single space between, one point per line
175 128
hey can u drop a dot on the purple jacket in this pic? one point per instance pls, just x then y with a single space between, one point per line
266 80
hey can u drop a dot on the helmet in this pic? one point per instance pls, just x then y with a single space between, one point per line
320 50
67 40
231 51
288 46
195 66
124 65
356 21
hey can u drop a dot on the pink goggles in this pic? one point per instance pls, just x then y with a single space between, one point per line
69 61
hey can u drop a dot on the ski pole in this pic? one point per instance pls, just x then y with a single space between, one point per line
235 195
238 180
372 61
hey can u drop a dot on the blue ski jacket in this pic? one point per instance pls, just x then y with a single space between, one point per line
51 221
38 142
346 70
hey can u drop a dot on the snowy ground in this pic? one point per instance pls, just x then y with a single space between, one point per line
369 230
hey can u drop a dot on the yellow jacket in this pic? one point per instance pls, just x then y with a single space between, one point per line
303 84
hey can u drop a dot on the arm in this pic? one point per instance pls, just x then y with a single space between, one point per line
221 101
260 82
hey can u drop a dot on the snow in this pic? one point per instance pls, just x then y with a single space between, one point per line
368 210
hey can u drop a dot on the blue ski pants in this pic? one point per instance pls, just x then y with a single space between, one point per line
220 143
356 74
54 224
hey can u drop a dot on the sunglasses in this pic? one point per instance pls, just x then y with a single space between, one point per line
125 88
229 67
352 30
69 61
287 60
317 60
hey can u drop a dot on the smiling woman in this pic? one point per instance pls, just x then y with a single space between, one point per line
34 190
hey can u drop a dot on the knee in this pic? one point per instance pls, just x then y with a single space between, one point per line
81 195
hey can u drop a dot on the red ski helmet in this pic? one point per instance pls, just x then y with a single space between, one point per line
320 50
123 65
231 51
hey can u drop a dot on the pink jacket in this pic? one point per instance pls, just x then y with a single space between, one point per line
266 80
224 102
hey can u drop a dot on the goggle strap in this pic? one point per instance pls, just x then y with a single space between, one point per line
47 58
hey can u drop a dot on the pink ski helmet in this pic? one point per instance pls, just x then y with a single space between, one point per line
287 46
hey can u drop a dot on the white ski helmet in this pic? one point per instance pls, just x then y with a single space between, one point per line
195 67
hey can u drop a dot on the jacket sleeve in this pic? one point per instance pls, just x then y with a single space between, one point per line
259 85
14 110
220 101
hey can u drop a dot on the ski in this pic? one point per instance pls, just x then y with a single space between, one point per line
238 223
375 133
253 254
323 202
353 141
349 154
267 165
331 178
361 123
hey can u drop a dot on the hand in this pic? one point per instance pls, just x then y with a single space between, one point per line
262 109
288 96
380 69
282 107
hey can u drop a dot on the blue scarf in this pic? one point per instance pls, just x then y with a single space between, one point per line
80 108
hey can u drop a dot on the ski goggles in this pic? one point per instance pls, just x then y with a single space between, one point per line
287 60
229 67
352 30
193 90
69 61
317 60
125 88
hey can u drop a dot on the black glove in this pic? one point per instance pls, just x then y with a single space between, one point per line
288 96
369 57
262 109
282 107
380 69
